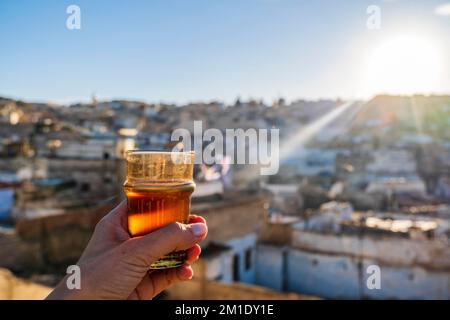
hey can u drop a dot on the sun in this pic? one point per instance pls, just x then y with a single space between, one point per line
405 64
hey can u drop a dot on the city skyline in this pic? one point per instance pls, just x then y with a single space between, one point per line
176 52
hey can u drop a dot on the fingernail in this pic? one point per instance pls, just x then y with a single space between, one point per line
185 273
198 229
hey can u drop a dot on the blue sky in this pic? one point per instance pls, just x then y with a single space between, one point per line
190 50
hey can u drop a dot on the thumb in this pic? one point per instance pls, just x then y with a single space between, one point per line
173 237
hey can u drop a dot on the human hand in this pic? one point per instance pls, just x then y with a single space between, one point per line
115 266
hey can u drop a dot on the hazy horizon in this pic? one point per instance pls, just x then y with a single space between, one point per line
87 101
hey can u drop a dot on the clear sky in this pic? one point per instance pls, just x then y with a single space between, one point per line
190 50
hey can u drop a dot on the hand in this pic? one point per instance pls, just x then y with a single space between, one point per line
115 266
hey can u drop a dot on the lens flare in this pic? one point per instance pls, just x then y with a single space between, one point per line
308 132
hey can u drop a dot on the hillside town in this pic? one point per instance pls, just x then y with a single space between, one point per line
364 186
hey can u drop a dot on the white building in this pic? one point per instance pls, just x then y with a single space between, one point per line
330 264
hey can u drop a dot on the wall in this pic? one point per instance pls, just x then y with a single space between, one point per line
12 288
402 252
334 277
323 275
20 255
218 267
220 291
232 218
408 283
87 172
276 234
46 242
270 266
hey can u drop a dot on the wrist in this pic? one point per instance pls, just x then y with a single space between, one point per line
62 292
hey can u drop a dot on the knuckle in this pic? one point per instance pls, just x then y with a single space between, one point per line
168 277
180 226
177 235
175 228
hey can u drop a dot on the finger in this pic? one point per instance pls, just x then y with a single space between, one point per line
193 253
173 237
118 215
152 284
194 218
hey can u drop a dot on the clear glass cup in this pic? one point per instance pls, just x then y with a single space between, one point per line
158 188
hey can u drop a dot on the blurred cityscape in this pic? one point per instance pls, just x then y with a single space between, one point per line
361 186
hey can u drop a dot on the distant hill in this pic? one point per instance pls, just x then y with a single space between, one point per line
404 111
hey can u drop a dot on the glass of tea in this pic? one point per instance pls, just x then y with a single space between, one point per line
158 188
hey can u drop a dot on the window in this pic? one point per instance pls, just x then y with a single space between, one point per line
248 259
85 187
